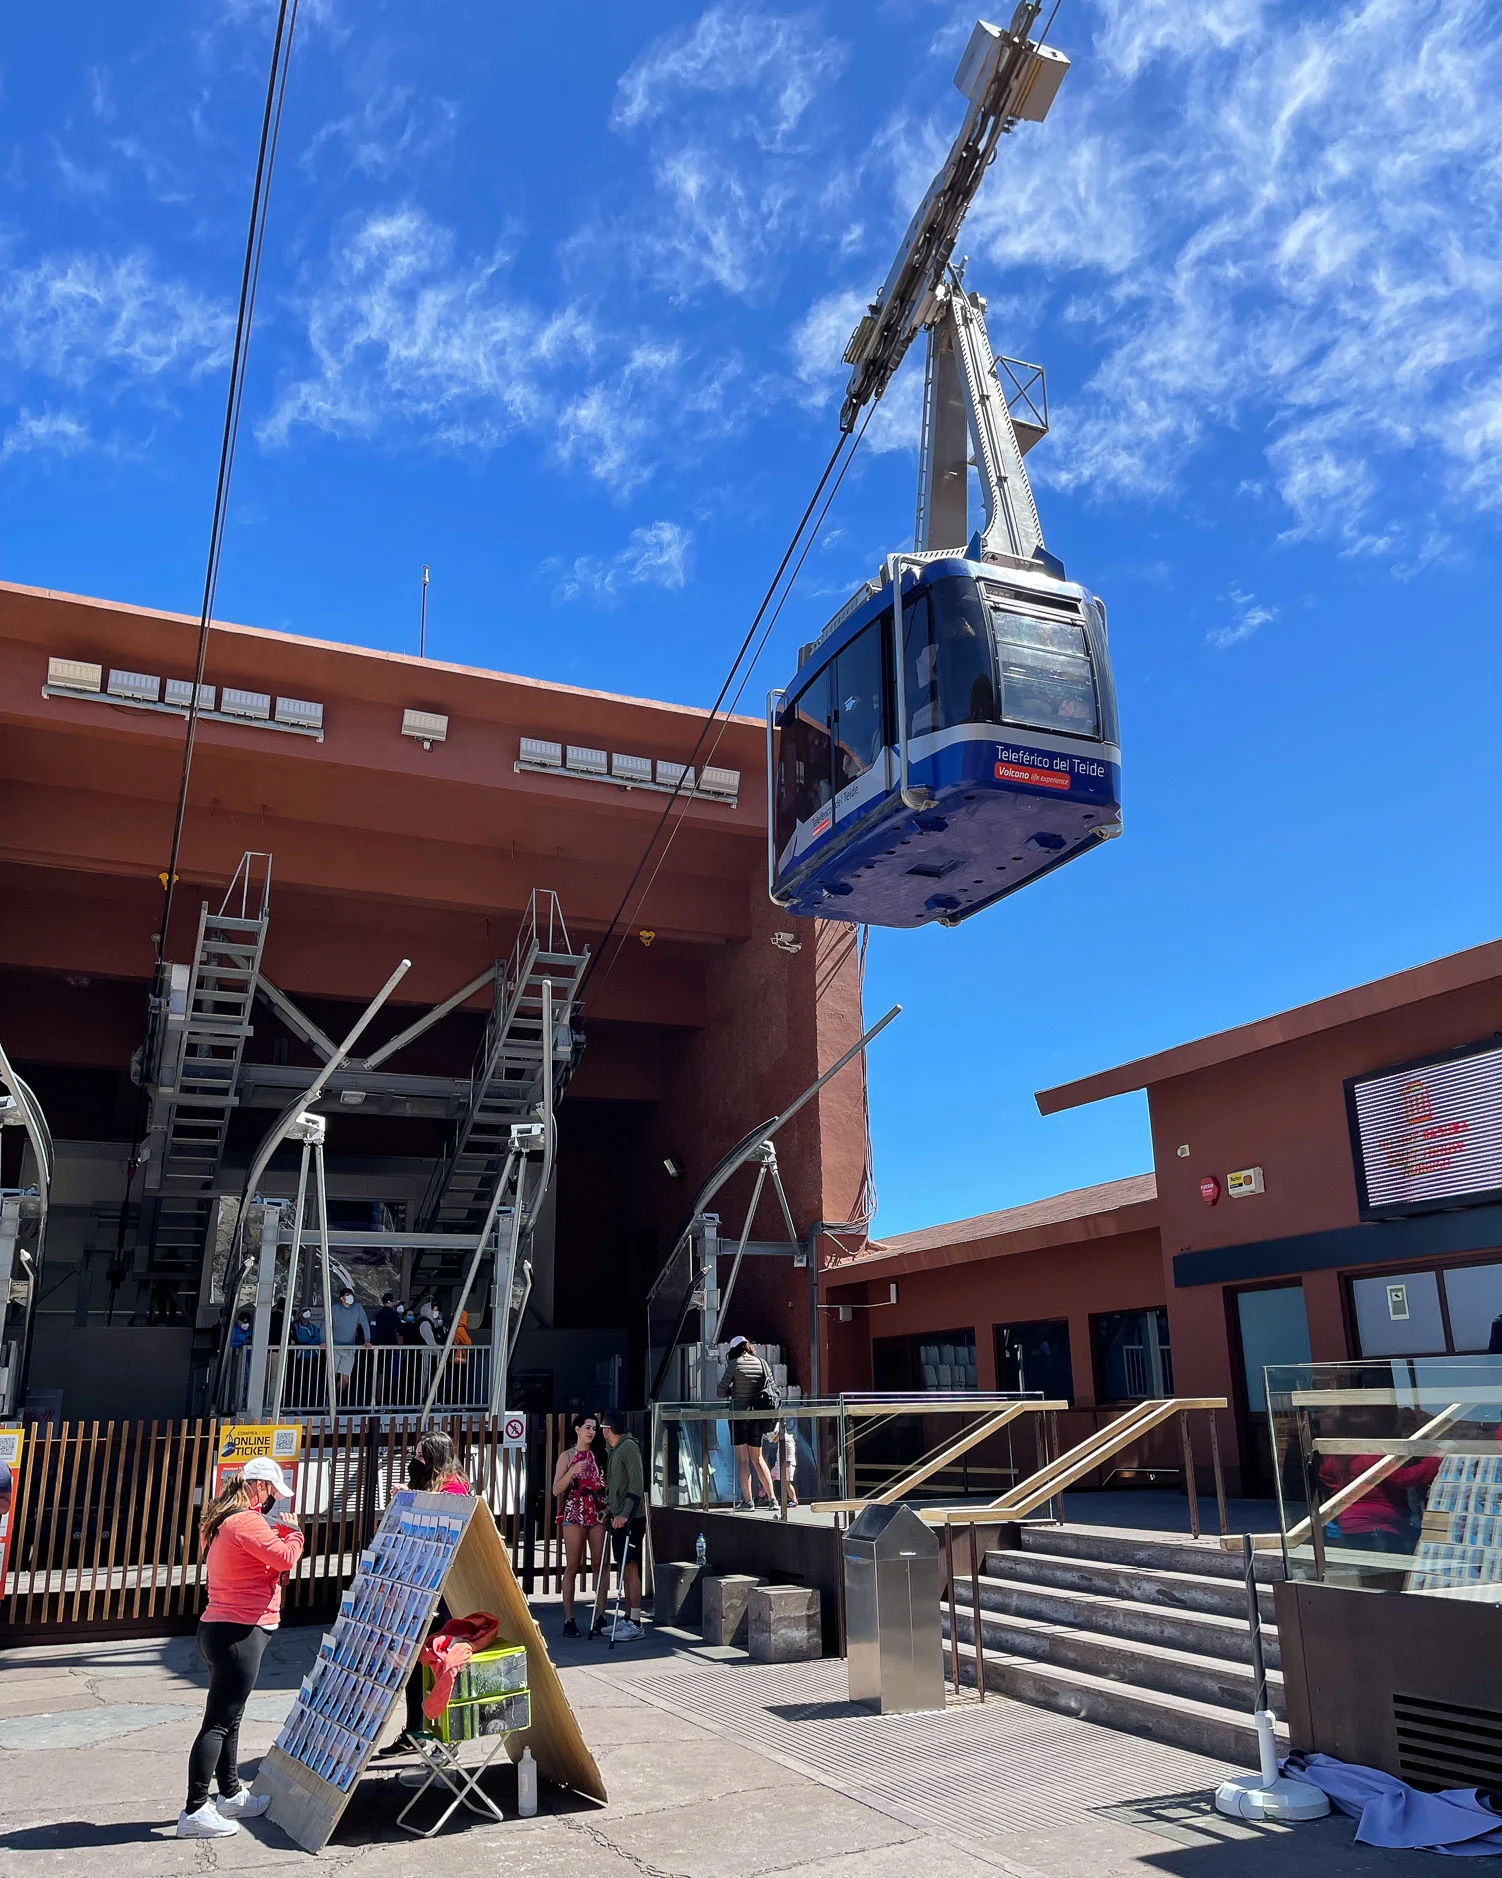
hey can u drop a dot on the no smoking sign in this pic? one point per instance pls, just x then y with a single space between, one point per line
514 1431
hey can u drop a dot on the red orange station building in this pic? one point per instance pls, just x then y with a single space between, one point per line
386 845
1264 1234
412 809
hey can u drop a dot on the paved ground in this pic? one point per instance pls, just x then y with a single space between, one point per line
716 1767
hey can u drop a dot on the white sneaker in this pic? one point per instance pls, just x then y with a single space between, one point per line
207 1823
244 1804
624 1631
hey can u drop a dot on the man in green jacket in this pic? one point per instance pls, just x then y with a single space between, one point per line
626 1504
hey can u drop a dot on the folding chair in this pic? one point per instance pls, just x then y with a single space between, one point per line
486 1705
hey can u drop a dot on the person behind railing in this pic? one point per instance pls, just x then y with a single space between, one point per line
240 1335
433 1468
351 1331
580 1485
246 1563
385 1333
746 1382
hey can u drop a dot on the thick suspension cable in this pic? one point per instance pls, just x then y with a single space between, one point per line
683 804
705 728
271 121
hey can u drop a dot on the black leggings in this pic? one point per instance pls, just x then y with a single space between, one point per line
233 1653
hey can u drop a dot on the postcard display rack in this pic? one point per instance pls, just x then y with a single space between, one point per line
429 1545
1460 1545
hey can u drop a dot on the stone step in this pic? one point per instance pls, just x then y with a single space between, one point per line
1201 1727
1175 1590
1146 1665
1115 1545
1201 1633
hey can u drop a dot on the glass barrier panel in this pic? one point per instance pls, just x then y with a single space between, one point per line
1401 1460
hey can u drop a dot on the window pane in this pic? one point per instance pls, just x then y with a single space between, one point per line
1049 635
1274 1329
1474 1295
1035 1356
1132 1360
1399 1315
1047 690
946 1360
858 706
947 670
810 727
787 781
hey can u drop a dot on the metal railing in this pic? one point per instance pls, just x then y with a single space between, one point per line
369 1379
818 1441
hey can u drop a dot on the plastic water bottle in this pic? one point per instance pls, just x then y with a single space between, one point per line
526 1786
701 1552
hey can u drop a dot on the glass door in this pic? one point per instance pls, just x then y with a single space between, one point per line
1273 1328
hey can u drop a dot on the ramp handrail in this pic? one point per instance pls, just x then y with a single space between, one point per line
941 1458
1141 1419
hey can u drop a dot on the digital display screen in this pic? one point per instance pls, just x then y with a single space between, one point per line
1429 1136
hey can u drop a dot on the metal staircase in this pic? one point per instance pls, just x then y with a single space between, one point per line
507 1083
200 1026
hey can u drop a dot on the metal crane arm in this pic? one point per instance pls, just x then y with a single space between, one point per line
1007 77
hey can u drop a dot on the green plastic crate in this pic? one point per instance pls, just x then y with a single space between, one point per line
468 1721
488 1673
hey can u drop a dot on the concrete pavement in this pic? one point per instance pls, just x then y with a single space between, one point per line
716 1768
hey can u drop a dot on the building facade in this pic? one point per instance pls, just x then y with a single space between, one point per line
404 809
1327 1184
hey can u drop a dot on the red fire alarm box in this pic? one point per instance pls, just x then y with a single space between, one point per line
1210 1190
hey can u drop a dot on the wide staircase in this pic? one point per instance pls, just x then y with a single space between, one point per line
1135 1631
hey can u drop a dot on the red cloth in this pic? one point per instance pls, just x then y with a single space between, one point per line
456 1483
1384 1505
448 1650
246 1563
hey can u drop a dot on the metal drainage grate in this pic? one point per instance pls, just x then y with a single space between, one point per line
1442 1744
937 1772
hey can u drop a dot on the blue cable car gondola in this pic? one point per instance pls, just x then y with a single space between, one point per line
951 734
933 760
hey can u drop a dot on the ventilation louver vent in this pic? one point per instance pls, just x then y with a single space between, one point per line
1442 1744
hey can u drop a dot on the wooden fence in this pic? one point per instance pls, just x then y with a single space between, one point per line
105 1517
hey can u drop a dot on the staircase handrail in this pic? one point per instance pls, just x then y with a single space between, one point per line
1050 1481
945 1456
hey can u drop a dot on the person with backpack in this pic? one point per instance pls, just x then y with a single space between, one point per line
748 1385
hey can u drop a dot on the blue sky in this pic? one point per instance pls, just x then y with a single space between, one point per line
554 298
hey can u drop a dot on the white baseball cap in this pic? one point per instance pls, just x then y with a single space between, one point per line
262 1467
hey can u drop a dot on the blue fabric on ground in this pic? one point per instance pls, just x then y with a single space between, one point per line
1460 1821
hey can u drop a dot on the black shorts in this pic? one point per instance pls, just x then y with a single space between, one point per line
750 1433
636 1533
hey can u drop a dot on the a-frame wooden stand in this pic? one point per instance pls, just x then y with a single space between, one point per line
479 1577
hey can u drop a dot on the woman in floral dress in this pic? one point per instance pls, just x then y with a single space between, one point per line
579 1483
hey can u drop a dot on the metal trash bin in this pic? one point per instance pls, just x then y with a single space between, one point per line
893 1643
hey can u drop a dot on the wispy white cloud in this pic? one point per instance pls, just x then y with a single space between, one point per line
89 319
1294 231
781 59
655 556
740 164
404 332
1247 617
45 433
391 130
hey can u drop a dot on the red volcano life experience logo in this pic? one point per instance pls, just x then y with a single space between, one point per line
1425 1145
1026 773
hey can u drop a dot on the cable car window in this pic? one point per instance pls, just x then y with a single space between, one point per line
858 689
804 773
947 671
1046 678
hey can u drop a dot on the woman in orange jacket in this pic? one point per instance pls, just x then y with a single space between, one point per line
247 1559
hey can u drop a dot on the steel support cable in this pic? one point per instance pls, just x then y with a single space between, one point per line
271 121
693 759
683 804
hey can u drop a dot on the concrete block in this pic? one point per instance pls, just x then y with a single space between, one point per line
677 1593
725 1600
782 1624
